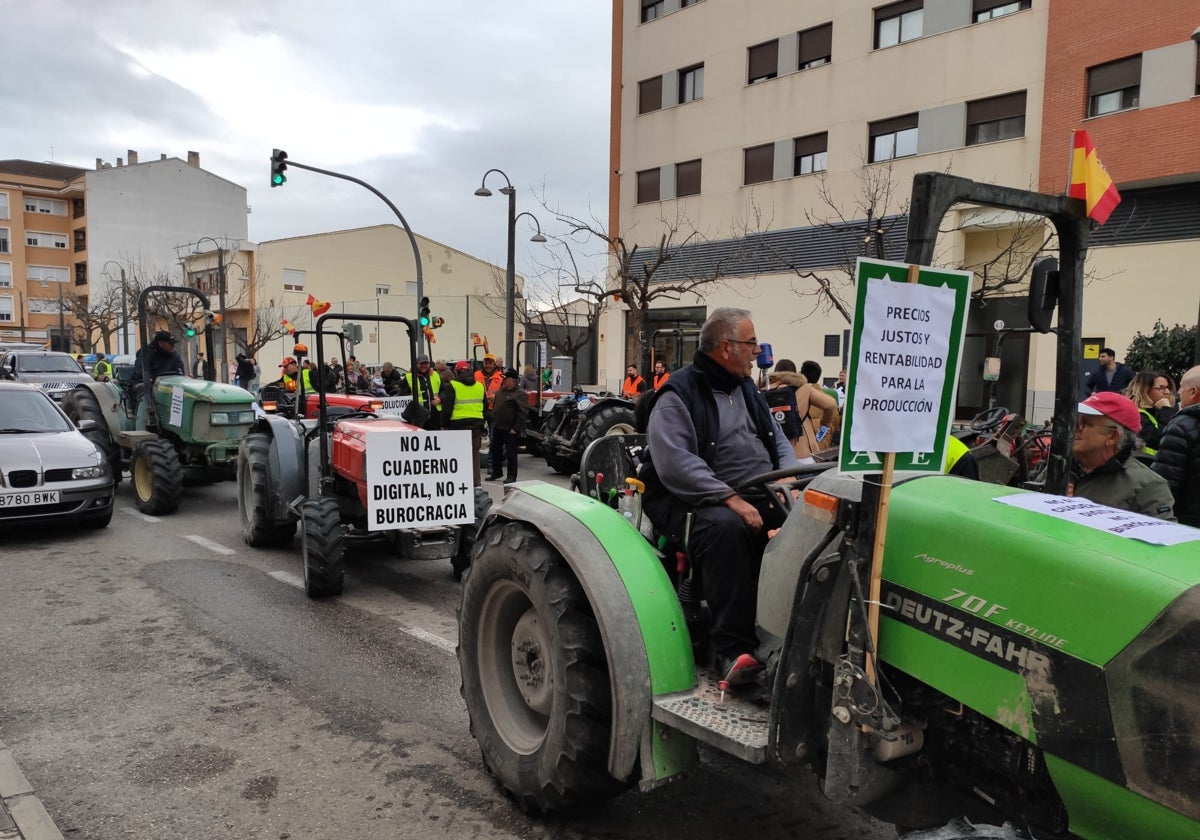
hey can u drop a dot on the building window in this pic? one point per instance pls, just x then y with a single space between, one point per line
382 289
37 239
49 206
4 241
294 279
3 205
650 95
80 239
894 138
992 9
996 118
691 83
1114 86
652 9
6 309
764 62
898 22
685 3
808 154
5 275
80 274
832 346
687 178
46 273
816 46
647 186
759 164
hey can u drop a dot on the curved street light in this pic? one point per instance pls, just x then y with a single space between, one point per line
224 345
123 336
510 270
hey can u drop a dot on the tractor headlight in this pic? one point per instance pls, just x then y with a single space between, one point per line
231 418
89 472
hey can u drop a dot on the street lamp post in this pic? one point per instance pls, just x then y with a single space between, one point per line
510 268
224 346
123 337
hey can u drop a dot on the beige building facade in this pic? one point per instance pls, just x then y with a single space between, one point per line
371 271
802 124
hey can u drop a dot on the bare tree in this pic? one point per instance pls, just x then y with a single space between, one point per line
97 315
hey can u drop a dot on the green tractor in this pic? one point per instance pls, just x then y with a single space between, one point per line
1029 670
185 431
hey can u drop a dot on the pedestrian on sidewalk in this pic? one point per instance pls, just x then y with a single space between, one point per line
511 412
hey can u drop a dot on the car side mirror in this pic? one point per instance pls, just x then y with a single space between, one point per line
87 425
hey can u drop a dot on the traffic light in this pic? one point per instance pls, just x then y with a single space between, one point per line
438 322
278 167
191 332
353 333
424 320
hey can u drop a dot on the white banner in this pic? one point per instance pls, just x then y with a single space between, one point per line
419 479
1121 523
394 405
176 406
902 366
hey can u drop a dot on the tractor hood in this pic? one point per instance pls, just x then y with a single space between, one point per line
1082 641
201 390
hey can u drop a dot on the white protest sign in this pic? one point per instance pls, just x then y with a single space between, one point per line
394 405
419 479
543 353
901 367
176 406
1121 523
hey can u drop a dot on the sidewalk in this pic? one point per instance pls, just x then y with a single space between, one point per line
22 815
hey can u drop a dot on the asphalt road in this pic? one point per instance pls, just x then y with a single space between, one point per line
159 679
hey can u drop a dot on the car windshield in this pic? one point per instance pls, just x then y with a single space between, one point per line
47 364
30 411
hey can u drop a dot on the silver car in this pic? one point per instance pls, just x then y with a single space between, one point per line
48 469
55 373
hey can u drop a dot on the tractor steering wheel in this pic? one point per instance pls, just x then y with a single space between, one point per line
989 420
779 484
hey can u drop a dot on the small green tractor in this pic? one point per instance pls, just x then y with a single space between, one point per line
184 431
1028 670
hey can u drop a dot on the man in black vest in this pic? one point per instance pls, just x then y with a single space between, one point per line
709 430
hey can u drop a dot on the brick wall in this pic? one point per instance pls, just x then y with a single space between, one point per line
1135 145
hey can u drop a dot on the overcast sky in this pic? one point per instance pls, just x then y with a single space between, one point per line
416 98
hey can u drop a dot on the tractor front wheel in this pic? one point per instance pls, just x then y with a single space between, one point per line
534 673
81 404
255 492
324 548
157 476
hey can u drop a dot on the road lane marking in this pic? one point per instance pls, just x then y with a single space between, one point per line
288 578
440 642
214 547
145 517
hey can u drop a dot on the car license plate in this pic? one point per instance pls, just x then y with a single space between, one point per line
38 497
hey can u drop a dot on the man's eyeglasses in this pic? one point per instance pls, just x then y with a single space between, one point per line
753 342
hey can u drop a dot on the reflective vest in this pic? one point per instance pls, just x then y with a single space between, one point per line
102 368
630 388
659 381
468 401
955 449
1154 422
308 388
435 385
491 384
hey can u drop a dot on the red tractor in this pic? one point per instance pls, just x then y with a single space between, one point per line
313 470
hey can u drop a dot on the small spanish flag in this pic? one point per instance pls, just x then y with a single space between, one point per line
1090 181
319 307
287 325
429 334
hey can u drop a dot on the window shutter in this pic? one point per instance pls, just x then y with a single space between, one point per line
812 144
687 178
816 43
996 108
647 185
650 95
764 61
897 9
759 164
893 125
1116 75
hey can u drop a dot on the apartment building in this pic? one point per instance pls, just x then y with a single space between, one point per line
372 271
68 232
786 135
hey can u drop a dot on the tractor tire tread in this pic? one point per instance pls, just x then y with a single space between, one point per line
166 477
324 548
254 491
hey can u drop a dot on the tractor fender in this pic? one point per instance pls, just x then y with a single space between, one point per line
641 623
108 396
605 402
287 450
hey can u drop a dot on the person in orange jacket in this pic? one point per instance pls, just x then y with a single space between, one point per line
660 376
633 384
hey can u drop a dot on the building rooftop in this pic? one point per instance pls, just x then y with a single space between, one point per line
34 169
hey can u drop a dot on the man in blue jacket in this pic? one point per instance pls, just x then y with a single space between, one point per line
1111 376
709 430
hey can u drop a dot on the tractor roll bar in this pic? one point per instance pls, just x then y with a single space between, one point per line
144 334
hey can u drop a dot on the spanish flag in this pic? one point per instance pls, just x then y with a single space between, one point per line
1090 181
287 325
477 339
429 334
319 307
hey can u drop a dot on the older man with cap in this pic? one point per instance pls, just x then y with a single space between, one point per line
1105 472
462 408
511 412
424 385
1178 458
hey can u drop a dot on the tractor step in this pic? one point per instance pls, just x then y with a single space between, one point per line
736 724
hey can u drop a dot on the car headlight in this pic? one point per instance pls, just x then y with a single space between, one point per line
89 472
231 418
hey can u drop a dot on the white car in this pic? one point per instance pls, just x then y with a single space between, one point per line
49 471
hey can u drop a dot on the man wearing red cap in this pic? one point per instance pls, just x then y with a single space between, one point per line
1105 473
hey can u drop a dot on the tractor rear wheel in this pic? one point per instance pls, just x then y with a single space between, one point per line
612 420
157 476
324 548
534 673
81 404
254 495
